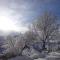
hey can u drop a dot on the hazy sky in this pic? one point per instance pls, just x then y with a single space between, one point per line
24 11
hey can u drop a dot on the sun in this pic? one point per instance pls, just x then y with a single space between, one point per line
7 24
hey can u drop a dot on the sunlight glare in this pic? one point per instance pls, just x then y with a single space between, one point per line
6 24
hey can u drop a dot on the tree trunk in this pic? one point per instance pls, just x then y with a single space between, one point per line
43 47
23 49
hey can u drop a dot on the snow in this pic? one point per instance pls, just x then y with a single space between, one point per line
54 53
40 59
21 58
53 56
32 53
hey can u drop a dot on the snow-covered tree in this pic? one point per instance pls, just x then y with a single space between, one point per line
47 27
13 45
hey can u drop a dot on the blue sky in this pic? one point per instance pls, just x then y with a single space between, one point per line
25 11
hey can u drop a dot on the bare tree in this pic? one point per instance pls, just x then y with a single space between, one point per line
29 37
13 46
9 45
48 27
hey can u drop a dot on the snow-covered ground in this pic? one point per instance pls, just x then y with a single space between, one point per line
40 59
25 58
50 56
53 56
21 58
